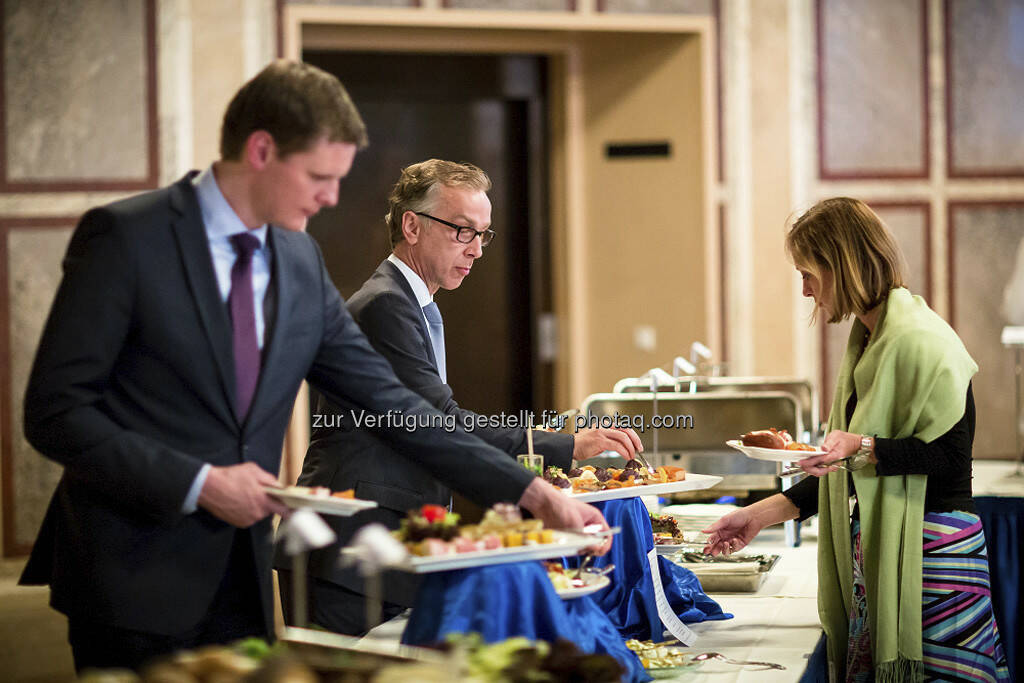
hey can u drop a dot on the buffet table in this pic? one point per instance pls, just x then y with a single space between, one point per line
778 623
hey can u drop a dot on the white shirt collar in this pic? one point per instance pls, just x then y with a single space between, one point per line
419 287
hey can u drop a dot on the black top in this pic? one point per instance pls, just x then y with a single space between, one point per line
947 459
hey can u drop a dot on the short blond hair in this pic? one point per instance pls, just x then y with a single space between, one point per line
846 238
418 185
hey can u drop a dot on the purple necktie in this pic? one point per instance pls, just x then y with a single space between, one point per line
243 322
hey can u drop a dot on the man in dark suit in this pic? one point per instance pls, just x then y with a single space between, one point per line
439 223
185 323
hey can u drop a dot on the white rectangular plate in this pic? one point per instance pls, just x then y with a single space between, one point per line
328 505
693 482
774 454
566 543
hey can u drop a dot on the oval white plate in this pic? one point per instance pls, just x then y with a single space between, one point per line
774 454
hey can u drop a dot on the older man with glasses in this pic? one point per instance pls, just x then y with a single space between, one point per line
438 221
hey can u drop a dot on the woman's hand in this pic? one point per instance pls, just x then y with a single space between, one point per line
837 446
732 532
738 528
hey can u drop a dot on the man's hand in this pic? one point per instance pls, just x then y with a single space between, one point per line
559 511
591 442
235 494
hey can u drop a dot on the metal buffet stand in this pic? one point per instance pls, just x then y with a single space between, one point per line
722 408
1013 337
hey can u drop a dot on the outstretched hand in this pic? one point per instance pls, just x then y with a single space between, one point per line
732 532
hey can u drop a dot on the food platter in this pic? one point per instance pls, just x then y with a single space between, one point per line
565 543
592 584
774 454
693 482
295 497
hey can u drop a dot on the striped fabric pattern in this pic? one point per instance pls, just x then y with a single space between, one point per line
960 639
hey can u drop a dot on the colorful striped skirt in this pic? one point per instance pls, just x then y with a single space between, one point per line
960 641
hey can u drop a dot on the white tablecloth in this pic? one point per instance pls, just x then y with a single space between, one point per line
779 623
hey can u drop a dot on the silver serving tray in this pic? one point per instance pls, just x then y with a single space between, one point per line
731 575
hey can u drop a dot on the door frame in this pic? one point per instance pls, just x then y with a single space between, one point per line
561 37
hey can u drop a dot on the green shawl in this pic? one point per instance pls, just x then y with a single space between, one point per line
911 380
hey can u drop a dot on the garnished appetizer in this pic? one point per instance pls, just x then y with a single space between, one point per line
433 530
590 478
666 530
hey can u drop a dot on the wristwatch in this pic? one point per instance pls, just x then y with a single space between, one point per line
862 458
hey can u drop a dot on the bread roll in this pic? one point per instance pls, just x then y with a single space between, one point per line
764 438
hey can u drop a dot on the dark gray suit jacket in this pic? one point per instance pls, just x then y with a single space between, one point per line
132 391
343 456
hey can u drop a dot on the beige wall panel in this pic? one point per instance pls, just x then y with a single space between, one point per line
661 6
773 274
872 97
218 63
75 89
644 233
909 224
987 247
34 272
986 81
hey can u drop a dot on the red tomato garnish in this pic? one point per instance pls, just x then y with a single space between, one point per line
433 513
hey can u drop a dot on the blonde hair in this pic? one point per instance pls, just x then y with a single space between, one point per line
417 188
846 238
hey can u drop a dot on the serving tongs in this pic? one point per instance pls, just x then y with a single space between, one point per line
794 471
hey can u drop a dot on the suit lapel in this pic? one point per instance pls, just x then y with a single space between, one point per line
392 274
197 262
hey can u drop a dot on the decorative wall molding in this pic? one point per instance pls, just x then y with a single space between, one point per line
827 173
152 177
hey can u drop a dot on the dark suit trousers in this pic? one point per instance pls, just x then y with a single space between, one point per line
332 606
235 613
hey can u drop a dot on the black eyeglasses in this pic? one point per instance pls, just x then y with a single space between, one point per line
463 234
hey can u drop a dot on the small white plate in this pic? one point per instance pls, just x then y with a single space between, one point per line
328 505
774 454
593 584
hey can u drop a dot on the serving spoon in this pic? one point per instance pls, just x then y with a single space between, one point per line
704 656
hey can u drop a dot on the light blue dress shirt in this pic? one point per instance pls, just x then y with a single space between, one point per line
221 222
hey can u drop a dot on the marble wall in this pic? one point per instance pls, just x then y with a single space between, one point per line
76 90
985 77
872 87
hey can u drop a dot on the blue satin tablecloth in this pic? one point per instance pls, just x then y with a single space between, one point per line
1003 521
629 600
502 601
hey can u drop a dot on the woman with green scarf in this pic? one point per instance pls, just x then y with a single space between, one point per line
903 578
